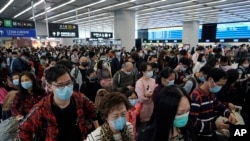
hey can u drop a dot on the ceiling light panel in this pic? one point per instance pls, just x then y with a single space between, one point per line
52 9
6 5
29 8
146 4
71 11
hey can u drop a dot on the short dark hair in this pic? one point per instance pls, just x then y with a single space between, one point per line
110 102
129 93
185 61
165 73
53 73
233 75
212 62
205 69
224 59
200 57
89 71
65 63
144 66
217 74
183 52
91 54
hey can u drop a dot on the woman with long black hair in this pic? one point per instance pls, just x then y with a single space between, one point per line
28 95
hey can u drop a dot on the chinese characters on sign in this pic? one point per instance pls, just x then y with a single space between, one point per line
105 35
63 30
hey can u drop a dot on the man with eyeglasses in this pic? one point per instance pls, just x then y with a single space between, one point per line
61 116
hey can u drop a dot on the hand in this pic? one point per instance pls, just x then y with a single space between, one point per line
231 106
220 124
130 87
184 79
148 93
232 119
19 117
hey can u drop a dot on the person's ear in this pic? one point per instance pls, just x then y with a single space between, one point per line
49 86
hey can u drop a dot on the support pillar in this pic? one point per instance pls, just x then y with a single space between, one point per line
190 33
124 28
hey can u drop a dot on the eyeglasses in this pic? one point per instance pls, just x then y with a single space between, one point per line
61 86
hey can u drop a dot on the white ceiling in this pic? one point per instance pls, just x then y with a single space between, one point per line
149 13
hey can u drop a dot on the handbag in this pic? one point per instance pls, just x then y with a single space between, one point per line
8 129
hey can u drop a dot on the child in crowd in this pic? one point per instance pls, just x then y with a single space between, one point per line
134 111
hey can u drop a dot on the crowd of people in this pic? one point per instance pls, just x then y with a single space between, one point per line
112 94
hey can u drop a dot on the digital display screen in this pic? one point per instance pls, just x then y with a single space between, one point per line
173 33
233 30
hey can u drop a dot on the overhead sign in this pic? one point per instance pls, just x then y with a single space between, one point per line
9 23
17 32
63 30
17 28
105 35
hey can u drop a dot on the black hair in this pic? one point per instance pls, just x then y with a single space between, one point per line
99 64
91 54
224 59
135 56
233 75
26 54
36 88
205 69
154 65
217 74
183 52
185 61
212 62
53 73
200 57
89 71
200 48
165 109
242 60
144 66
129 93
165 73
65 63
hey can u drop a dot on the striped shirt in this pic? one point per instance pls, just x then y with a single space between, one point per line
202 112
96 135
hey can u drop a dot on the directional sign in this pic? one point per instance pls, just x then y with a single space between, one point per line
63 30
17 32
105 35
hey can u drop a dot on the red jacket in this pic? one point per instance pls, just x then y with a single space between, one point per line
42 111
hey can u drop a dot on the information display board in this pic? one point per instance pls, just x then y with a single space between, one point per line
17 28
104 35
57 30
172 33
233 30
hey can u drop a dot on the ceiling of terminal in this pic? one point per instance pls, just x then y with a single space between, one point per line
149 13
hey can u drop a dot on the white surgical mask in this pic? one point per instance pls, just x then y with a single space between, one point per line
149 74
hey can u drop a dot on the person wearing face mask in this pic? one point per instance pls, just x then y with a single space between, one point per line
144 88
134 111
204 103
103 74
40 69
170 121
74 57
3 70
28 95
114 109
180 70
63 111
116 63
79 74
92 85
200 62
21 64
166 78
125 78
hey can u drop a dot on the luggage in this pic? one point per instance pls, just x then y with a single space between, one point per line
8 129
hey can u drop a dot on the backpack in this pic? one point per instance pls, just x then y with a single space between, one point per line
189 79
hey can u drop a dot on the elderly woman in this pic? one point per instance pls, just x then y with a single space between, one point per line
113 108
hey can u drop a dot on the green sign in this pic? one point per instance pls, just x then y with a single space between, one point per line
7 23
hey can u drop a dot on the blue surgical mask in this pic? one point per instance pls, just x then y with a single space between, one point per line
3 65
64 93
215 89
170 83
26 85
181 121
119 123
15 82
202 79
133 102
183 69
149 74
